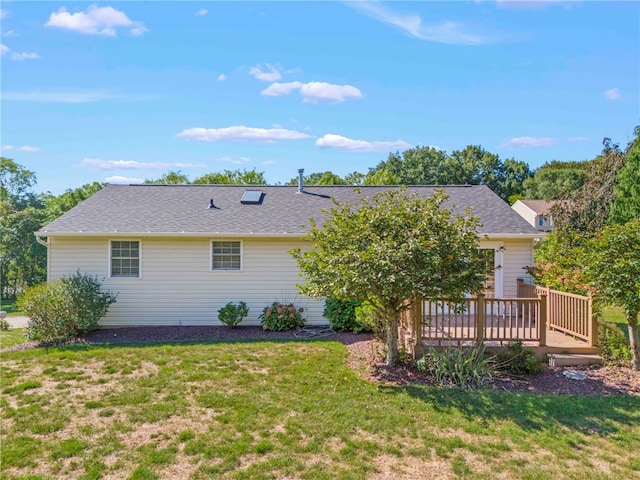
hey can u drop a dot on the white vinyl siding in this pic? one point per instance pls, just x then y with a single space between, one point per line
178 286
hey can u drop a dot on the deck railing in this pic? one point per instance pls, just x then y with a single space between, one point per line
566 312
479 319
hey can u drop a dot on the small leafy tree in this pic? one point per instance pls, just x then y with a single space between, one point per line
614 270
231 314
65 308
391 248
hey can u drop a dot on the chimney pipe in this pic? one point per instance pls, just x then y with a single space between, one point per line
301 180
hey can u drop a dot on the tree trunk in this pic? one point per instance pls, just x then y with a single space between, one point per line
392 339
632 321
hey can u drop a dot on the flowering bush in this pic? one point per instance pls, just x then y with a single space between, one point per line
279 317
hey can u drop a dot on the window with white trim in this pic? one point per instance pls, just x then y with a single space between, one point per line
125 258
226 255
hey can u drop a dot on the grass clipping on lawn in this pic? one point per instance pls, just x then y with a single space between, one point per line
287 410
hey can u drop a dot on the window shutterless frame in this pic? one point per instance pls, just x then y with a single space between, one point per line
125 258
226 255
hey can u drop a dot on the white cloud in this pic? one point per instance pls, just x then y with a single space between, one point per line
222 77
326 92
3 49
314 91
612 94
240 133
3 13
24 56
343 143
27 148
267 73
269 162
9 33
100 164
577 139
86 96
95 21
279 89
202 12
117 179
7 147
529 142
446 32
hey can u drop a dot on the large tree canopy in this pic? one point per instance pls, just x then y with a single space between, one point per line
472 165
613 268
390 248
626 205
555 180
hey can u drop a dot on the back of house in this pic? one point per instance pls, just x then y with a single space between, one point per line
175 254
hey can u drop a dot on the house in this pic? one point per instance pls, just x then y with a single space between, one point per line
536 212
175 254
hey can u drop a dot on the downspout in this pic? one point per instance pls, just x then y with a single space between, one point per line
45 243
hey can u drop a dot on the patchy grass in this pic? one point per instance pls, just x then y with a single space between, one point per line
287 410
12 337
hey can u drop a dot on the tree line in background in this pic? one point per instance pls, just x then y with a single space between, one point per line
595 193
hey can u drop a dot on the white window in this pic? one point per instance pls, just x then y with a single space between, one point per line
125 258
226 255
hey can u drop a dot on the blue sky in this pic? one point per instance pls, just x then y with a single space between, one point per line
123 91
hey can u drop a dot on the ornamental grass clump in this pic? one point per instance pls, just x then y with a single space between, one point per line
280 317
466 368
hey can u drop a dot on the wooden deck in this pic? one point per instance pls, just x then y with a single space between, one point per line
557 342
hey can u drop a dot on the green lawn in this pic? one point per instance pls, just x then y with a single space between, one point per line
9 305
268 410
616 315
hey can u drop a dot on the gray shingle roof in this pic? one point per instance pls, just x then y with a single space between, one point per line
184 210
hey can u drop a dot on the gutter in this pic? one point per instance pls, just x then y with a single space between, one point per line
41 241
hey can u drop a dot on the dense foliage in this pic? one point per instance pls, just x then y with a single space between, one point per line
613 269
232 314
389 248
516 359
626 205
613 344
65 308
342 315
280 317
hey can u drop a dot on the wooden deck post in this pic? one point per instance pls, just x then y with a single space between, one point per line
543 319
480 319
417 326
593 324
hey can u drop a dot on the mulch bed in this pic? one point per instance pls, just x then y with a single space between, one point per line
367 360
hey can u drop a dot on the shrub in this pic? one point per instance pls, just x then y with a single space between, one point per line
4 325
64 308
518 360
614 346
460 367
342 315
367 315
231 315
279 317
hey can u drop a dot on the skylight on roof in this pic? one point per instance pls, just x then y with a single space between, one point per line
252 197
